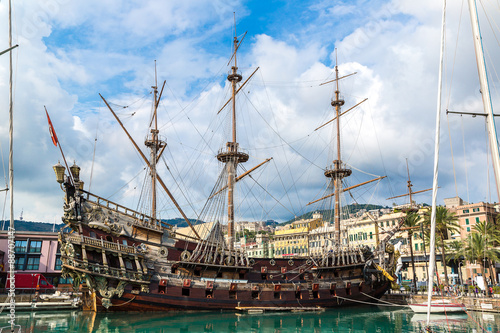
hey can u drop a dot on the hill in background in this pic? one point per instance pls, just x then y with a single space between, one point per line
352 209
21 225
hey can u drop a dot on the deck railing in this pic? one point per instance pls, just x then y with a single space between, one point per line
110 271
101 243
139 218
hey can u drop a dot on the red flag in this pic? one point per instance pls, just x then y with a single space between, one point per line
51 130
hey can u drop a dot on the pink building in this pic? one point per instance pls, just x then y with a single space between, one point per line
36 252
470 214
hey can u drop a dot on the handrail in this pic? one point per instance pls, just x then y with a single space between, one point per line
112 271
159 225
101 243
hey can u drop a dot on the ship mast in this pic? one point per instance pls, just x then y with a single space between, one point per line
338 171
154 143
485 92
230 155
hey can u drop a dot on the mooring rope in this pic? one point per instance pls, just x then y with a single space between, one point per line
393 304
363 302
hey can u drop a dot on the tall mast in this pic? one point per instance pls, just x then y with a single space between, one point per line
154 143
432 242
11 233
338 170
231 156
485 92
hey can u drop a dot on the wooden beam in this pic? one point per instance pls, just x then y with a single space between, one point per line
348 189
404 195
343 113
338 78
229 100
149 165
240 177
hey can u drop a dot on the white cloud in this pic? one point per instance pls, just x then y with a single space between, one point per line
71 51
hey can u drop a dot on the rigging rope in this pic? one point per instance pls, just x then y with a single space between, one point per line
452 157
465 158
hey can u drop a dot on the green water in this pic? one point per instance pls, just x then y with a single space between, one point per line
360 319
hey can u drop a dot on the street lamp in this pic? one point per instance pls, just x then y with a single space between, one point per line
75 171
59 170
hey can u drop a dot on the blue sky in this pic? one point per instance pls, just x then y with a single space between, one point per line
72 51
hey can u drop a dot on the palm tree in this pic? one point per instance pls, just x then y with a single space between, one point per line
456 252
446 221
492 238
479 249
412 220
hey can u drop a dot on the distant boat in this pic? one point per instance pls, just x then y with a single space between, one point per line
439 306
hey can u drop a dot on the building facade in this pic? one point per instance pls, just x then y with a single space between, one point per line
36 252
294 240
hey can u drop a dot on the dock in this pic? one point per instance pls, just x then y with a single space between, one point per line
31 302
258 310
473 303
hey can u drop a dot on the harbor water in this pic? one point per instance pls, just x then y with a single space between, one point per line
356 319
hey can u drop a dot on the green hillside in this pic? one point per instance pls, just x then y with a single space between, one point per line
354 208
32 226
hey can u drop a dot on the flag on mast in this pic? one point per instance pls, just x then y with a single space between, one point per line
51 130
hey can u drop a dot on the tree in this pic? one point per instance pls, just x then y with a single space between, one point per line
456 252
411 221
492 238
446 221
479 249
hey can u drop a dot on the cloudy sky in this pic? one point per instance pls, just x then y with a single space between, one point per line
72 51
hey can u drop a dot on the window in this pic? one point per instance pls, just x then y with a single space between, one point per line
393 222
465 211
467 221
67 280
33 263
477 219
20 261
92 234
21 246
35 246
371 235
468 229
475 209
58 264
416 246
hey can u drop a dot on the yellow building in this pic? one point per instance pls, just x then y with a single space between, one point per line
364 230
294 240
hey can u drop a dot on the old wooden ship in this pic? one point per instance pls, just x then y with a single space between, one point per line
132 261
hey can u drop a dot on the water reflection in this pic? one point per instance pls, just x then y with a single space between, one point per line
366 319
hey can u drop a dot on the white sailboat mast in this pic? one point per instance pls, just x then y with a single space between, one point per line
436 169
485 92
11 233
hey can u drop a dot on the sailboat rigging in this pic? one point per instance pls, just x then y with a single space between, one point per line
133 261
10 188
492 136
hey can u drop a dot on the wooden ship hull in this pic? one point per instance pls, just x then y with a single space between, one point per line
131 261
129 264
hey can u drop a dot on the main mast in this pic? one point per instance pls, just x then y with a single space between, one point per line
230 155
338 171
154 145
